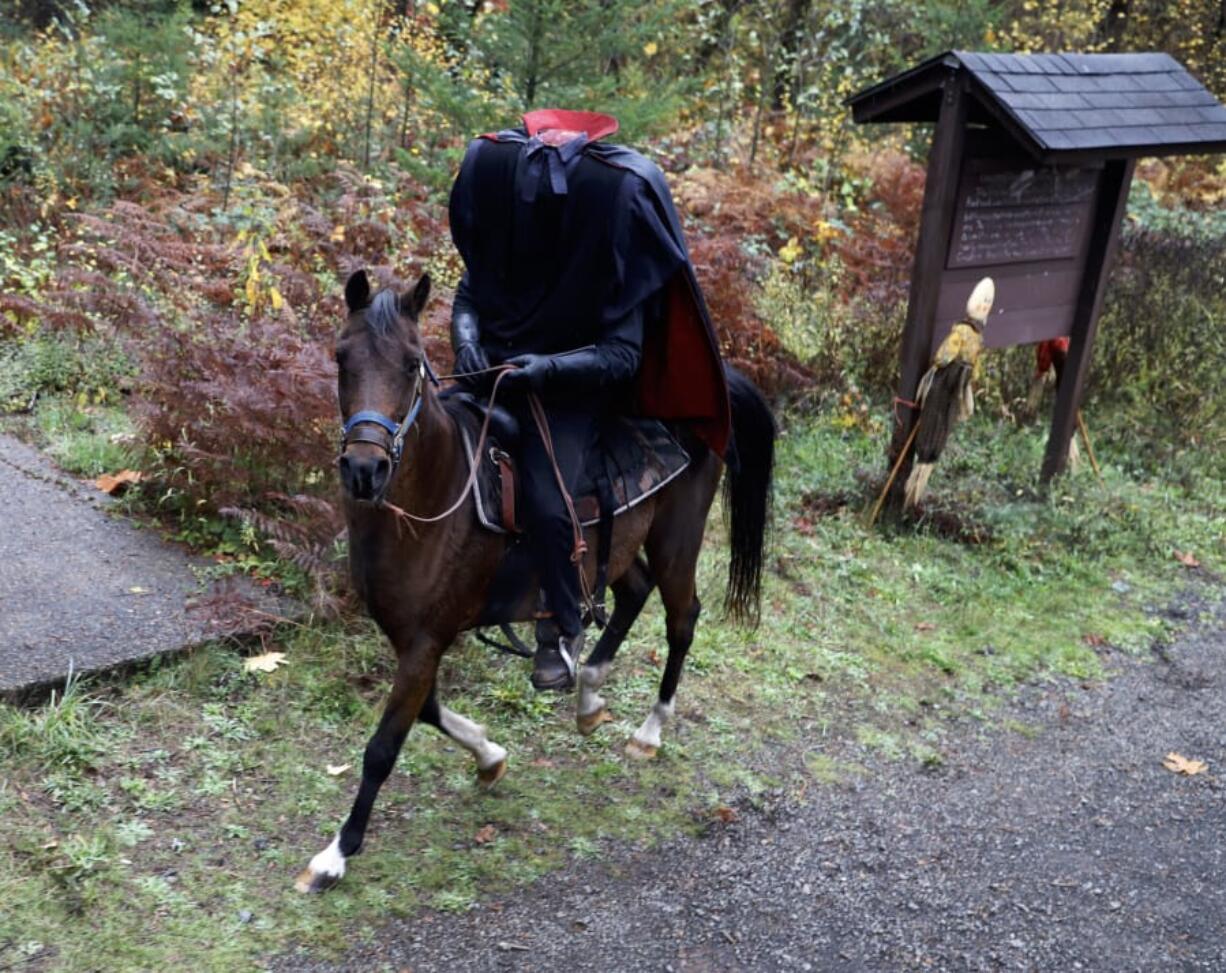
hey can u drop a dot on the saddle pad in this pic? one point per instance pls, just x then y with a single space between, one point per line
640 457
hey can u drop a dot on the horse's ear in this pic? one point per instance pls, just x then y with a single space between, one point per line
411 304
357 290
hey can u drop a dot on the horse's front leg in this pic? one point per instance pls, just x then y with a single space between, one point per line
491 758
415 674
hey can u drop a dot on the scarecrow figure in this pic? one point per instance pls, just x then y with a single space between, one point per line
1050 358
945 394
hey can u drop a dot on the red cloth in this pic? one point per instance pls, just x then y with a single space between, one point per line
595 124
682 377
1048 353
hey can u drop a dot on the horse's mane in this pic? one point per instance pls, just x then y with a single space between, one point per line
383 314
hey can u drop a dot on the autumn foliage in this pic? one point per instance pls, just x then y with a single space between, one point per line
193 187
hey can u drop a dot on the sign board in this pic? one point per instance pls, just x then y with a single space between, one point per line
1028 227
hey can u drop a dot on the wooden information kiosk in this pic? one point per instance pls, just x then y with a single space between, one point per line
1028 178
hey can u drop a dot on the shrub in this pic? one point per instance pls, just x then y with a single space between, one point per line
1161 349
843 342
91 368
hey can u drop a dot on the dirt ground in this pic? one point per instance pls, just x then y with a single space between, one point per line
1050 837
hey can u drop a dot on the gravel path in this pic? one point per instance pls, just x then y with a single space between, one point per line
1066 848
78 585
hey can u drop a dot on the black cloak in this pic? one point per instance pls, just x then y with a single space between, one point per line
561 239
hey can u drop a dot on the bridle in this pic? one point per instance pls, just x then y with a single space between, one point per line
394 446
369 417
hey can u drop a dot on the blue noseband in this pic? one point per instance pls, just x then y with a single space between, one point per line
396 431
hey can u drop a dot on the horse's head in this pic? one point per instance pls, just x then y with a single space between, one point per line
381 382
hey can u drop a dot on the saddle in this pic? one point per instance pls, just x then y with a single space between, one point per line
633 459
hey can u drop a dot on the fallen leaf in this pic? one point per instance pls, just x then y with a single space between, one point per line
337 769
543 762
268 662
925 627
1094 639
116 484
654 658
725 813
486 835
1187 559
338 234
138 590
1178 764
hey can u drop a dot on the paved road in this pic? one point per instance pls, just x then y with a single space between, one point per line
78 584
1066 848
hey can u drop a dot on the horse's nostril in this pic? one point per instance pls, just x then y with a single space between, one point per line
364 476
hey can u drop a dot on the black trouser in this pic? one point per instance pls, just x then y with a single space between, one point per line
546 516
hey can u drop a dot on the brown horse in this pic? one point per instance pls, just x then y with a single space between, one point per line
427 583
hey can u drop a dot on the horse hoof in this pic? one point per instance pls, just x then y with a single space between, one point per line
309 881
487 777
588 723
640 751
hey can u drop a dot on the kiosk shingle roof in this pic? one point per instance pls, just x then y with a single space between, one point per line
1114 105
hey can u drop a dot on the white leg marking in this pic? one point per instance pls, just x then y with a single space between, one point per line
328 866
591 678
471 736
648 735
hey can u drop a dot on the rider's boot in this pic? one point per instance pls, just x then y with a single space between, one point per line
553 666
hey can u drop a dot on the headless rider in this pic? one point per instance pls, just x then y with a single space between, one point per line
571 250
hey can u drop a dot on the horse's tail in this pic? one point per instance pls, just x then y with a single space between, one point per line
747 495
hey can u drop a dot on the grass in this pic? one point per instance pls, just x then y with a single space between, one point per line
87 440
168 813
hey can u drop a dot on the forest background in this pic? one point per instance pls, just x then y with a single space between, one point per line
183 185
184 188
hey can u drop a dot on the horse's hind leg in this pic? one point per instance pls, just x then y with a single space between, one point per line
491 758
673 546
679 625
630 593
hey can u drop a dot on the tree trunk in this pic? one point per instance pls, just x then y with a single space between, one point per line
370 94
233 154
1117 24
789 51
768 72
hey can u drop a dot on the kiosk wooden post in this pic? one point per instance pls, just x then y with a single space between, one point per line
1112 201
940 191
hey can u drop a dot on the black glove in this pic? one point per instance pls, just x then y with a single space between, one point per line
470 357
530 375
